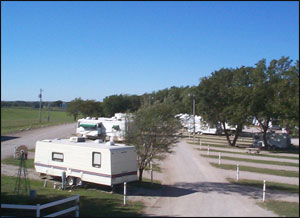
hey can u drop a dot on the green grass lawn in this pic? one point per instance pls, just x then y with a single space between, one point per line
253 160
269 185
16 118
260 155
282 208
16 162
258 170
93 202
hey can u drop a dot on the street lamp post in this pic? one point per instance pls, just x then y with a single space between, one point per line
194 102
194 105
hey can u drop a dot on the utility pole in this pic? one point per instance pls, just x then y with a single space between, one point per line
40 96
48 118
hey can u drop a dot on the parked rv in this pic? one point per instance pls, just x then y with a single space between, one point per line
90 128
275 140
103 127
95 161
201 127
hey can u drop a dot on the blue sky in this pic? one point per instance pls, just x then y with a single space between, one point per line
96 49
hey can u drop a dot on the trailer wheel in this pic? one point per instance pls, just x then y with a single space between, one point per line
78 182
70 180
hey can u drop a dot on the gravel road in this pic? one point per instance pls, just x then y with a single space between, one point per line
192 187
29 138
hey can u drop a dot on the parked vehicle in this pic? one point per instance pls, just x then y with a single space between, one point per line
95 162
275 140
90 128
103 127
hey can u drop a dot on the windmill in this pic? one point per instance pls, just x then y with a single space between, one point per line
22 177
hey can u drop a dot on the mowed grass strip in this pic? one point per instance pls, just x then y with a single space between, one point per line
282 208
218 146
14 119
29 163
280 163
259 155
93 202
289 188
258 170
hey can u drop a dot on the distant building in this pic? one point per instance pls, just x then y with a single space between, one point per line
64 105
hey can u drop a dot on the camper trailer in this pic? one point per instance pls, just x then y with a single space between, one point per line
95 162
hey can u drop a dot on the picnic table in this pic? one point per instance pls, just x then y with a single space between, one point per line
253 150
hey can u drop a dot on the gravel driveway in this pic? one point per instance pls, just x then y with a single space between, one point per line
192 187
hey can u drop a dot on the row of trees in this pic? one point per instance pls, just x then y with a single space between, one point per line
33 104
265 93
177 96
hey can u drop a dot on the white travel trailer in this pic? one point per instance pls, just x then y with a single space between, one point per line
95 162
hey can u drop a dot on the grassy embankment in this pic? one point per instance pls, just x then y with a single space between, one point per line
21 118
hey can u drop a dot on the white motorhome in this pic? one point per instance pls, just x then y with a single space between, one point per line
90 128
95 162
103 127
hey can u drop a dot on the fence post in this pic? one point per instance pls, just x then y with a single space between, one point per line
237 172
151 172
77 206
264 191
219 158
63 180
124 193
208 150
38 210
14 152
45 183
200 143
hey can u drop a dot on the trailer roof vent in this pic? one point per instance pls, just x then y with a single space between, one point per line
98 141
77 139
111 141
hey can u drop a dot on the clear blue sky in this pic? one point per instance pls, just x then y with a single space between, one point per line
96 49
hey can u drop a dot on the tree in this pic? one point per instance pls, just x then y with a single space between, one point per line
57 103
275 93
114 104
222 98
153 131
74 107
91 108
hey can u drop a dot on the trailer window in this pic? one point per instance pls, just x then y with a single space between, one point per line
96 159
57 156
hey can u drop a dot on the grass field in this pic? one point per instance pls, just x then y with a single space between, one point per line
260 155
270 185
280 163
282 208
20 118
94 202
16 162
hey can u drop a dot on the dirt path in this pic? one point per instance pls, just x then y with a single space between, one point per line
29 138
191 187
